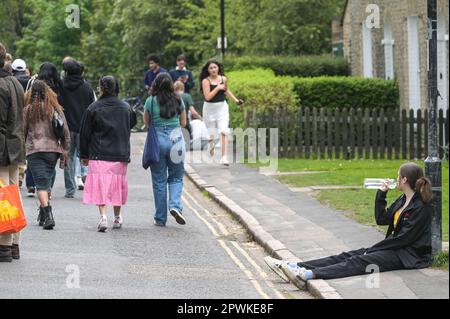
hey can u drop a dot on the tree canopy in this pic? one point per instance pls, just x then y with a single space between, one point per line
115 36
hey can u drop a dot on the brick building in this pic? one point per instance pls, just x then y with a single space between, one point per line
388 39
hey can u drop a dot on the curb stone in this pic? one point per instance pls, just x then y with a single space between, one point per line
318 288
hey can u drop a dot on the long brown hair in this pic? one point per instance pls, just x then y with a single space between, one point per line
417 181
40 103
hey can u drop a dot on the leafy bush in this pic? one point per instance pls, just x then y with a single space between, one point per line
346 92
262 90
299 66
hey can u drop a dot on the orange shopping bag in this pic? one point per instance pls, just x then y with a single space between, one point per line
12 218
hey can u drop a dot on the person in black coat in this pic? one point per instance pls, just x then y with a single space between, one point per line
105 147
407 244
75 97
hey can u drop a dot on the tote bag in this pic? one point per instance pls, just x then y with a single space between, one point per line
151 149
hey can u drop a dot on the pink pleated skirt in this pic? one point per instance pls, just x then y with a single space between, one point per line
106 184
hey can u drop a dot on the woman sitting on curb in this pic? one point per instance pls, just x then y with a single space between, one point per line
407 244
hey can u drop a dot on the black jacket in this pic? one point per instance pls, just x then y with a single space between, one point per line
411 239
12 140
105 131
75 97
23 79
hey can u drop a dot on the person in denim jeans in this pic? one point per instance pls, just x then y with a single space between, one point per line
169 116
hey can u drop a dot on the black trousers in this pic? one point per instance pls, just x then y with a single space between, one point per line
353 263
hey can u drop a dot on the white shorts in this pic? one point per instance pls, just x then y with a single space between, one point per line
217 116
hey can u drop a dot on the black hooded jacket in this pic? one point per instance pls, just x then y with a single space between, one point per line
411 238
75 98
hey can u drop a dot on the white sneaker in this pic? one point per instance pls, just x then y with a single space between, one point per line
224 161
80 184
275 265
118 221
295 274
102 225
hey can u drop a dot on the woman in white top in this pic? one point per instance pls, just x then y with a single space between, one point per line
214 86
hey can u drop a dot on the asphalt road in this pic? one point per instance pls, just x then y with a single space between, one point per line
209 258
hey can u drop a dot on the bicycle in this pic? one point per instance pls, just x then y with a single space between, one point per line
138 107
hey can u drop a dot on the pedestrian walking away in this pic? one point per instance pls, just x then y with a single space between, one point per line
48 74
43 147
166 111
12 146
75 97
105 149
407 244
214 86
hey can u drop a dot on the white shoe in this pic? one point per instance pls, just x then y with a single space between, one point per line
102 225
224 161
80 184
118 221
275 265
295 274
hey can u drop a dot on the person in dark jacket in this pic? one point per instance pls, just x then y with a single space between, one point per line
105 148
181 73
19 70
407 244
75 97
12 145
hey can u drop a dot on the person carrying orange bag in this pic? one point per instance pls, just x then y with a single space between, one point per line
12 148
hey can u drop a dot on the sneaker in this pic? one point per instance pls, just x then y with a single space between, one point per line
296 274
118 221
31 192
158 224
224 161
275 265
80 184
102 225
69 196
178 216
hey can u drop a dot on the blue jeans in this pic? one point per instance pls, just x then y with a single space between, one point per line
168 172
70 170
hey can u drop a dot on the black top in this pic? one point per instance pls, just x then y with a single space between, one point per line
105 131
220 96
75 97
411 238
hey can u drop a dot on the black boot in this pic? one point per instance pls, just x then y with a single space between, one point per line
15 251
49 222
41 216
5 254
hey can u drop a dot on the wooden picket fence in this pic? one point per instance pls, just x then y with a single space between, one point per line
349 133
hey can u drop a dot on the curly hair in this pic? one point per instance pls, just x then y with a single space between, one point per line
41 102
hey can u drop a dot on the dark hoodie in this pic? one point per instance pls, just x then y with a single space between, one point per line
75 98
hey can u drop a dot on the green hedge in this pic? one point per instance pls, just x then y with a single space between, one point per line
346 92
261 89
299 66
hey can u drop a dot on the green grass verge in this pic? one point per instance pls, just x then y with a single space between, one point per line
441 260
358 203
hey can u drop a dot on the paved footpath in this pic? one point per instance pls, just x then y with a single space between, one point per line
294 225
210 257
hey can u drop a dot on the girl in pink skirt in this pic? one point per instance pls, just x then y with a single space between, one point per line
105 148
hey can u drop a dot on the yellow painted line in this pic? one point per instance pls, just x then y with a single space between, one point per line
222 228
257 267
230 253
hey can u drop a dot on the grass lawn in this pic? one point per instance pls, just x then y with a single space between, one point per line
359 203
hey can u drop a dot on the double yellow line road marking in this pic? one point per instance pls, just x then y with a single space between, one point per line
218 232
